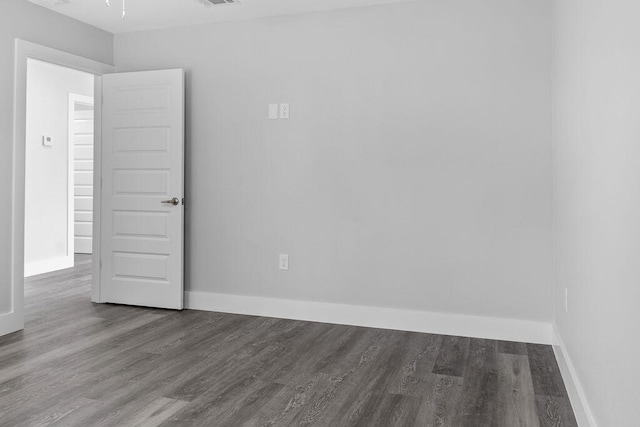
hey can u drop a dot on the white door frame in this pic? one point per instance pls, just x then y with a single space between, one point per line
74 98
14 320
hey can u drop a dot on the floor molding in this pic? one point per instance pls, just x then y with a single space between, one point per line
577 396
10 323
35 268
375 317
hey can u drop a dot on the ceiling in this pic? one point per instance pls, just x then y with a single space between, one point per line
154 14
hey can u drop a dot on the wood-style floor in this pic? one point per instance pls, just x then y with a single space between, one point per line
83 364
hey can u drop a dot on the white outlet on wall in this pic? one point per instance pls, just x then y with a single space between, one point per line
566 299
283 264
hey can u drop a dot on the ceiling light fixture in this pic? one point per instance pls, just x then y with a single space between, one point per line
124 9
202 2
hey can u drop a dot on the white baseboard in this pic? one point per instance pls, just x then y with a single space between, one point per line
577 396
9 323
375 317
48 265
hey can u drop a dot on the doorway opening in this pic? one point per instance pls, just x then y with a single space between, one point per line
12 302
58 214
132 95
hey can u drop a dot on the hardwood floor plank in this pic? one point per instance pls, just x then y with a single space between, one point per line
516 399
289 401
343 389
83 409
70 347
343 346
241 410
394 410
555 412
364 348
510 347
313 347
155 413
452 357
439 404
547 380
63 413
421 352
245 359
361 406
478 401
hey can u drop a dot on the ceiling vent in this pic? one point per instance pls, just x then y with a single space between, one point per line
55 2
218 2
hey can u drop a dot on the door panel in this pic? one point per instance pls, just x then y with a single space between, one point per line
82 145
83 178
83 153
83 203
142 167
83 216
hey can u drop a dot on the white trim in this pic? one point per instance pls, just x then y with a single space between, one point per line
577 396
9 323
375 317
14 320
47 265
96 295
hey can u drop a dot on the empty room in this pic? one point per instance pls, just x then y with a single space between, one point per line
320 212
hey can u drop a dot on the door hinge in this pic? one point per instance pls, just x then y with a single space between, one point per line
101 263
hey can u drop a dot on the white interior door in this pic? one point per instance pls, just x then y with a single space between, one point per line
142 212
81 142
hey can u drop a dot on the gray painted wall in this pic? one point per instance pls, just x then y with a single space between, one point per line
596 205
21 19
415 171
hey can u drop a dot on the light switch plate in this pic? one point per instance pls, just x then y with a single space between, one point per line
273 111
284 111
47 141
283 263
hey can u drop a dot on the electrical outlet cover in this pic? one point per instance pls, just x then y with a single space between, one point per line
273 111
283 263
